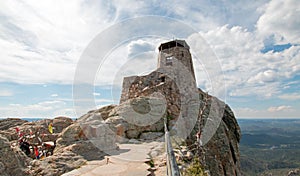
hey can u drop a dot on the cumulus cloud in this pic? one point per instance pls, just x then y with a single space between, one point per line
41 42
44 39
281 19
247 70
140 46
136 57
264 77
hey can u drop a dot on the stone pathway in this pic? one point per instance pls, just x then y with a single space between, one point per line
129 160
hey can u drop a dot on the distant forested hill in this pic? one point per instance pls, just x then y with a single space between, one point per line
269 146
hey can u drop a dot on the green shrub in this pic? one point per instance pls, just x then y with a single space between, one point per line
195 169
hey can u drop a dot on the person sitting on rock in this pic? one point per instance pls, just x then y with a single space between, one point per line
24 146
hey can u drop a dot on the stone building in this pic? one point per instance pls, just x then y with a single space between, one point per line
174 80
174 68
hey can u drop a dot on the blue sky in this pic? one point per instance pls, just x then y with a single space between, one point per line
256 43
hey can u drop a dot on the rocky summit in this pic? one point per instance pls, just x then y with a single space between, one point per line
201 126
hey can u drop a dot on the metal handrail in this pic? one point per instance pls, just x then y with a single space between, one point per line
172 167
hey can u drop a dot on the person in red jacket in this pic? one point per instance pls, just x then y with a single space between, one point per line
36 152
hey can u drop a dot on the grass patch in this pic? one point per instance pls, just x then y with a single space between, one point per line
195 169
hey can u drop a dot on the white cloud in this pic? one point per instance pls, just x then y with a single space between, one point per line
96 94
283 111
264 77
46 105
140 46
247 70
69 112
246 110
207 15
53 37
44 109
102 100
54 95
6 93
137 57
291 96
41 42
82 106
279 108
281 18
258 91
14 104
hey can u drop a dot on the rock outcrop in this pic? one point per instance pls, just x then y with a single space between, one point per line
16 162
5 124
12 161
220 154
73 149
60 123
40 126
295 172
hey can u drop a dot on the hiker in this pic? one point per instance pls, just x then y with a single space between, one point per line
49 146
50 128
36 152
17 130
24 146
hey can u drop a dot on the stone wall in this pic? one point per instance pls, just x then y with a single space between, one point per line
155 82
181 54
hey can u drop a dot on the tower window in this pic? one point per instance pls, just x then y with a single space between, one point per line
169 60
182 55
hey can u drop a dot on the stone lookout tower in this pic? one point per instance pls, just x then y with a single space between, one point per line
175 53
174 71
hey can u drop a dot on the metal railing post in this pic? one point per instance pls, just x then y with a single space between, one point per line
172 167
